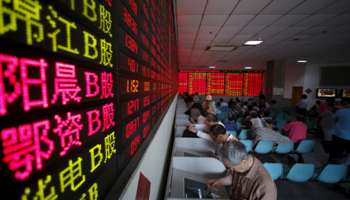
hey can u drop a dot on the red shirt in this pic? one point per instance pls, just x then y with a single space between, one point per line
297 131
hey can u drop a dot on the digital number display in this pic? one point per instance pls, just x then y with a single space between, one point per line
229 83
216 83
83 85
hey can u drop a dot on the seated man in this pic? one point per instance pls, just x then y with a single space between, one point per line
252 121
247 176
209 105
231 125
267 133
202 130
196 117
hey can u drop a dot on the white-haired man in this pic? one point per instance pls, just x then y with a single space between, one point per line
247 176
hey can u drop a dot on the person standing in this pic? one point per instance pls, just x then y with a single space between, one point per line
341 133
302 105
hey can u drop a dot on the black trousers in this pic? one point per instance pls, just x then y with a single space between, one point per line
339 146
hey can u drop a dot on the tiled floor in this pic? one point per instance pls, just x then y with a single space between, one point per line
288 190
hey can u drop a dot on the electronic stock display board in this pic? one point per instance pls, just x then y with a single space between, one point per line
83 87
220 82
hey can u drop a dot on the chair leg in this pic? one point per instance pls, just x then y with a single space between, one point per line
300 158
291 160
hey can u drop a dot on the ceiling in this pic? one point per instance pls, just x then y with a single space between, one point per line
314 30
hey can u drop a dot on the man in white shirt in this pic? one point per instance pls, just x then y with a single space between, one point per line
302 105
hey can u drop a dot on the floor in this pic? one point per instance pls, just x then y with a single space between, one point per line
288 190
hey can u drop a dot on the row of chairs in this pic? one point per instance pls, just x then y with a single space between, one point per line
267 146
302 172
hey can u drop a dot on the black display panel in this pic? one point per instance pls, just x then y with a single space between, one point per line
83 87
326 92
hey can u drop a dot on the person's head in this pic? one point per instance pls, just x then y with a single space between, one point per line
266 113
235 156
262 105
304 96
299 117
254 114
196 93
218 133
330 100
250 107
231 117
221 99
211 119
195 113
318 102
269 123
330 104
273 101
208 98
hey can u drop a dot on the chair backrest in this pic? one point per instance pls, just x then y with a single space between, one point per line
275 170
285 148
290 118
239 126
223 108
264 147
333 173
248 145
279 116
272 114
240 120
301 172
245 134
306 146
234 133
281 123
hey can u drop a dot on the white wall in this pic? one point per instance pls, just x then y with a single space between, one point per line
152 164
293 77
312 81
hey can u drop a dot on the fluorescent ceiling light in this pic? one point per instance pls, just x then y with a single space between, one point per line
211 66
302 61
252 42
247 67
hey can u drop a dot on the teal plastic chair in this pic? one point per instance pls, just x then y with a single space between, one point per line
248 145
279 116
285 148
221 116
234 133
274 169
301 172
306 146
264 147
310 124
281 123
239 126
272 114
245 134
240 120
290 118
333 173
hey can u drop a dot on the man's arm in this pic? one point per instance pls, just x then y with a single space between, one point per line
214 183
